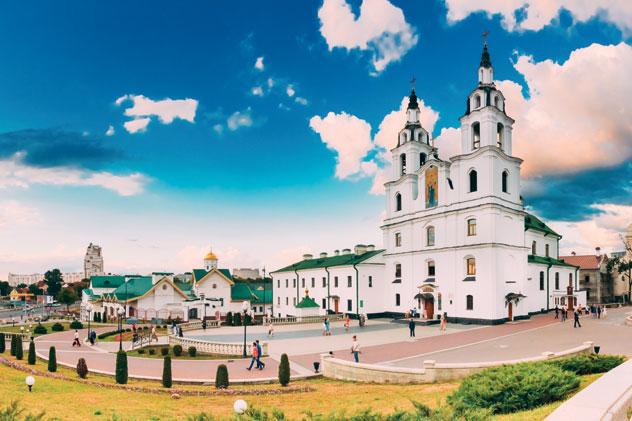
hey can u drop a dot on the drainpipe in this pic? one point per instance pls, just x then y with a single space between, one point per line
548 299
576 278
357 291
297 286
328 291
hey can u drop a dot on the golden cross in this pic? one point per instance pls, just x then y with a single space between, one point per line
485 33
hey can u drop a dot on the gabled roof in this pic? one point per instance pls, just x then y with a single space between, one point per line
322 262
133 288
547 261
307 302
106 281
533 223
199 274
584 262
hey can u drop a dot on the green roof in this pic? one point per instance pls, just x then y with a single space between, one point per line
321 262
533 223
134 287
548 261
186 287
263 293
107 281
307 302
201 273
242 291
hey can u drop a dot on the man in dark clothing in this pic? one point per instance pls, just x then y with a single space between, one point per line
557 311
260 364
411 327
576 316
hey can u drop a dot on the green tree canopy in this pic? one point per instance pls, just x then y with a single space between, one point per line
54 281
67 296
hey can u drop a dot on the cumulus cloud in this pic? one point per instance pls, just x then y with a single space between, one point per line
536 14
301 100
110 131
257 91
380 28
166 110
239 119
259 64
290 91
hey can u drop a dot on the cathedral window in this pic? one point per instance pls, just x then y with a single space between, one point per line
422 159
471 265
398 202
557 280
313 282
398 239
541 281
477 101
534 248
471 227
546 250
505 182
302 282
324 282
397 300
499 135
349 281
402 163
473 181
335 282
430 236
398 270
476 135
469 302
431 268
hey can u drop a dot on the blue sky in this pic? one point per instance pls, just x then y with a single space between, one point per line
222 147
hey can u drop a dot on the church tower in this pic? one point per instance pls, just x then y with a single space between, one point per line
210 261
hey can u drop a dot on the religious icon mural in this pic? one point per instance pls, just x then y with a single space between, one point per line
432 187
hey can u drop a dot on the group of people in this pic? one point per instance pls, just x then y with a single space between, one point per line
597 311
562 313
256 353
91 338
443 323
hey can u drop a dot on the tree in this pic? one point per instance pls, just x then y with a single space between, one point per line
623 265
3 343
13 345
32 357
19 351
35 290
54 281
5 288
221 377
121 367
166 372
82 368
52 359
284 370
67 296
229 318
237 319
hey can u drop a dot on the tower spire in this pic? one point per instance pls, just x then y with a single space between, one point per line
412 99
486 61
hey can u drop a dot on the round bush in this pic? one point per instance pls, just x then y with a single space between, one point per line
141 351
40 330
76 324
513 388
82 368
192 351
152 351
177 350
57 327
164 351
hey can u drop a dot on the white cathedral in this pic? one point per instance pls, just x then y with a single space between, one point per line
457 239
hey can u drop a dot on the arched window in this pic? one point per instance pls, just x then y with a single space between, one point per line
422 159
557 280
398 202
505 182
570 279
546 250
469 302
398 239
471 266
533 248
496 101
431 268
476 135
402 163
541 281
477 101
430 236
398 270
499 135
397 300
471 227
473 181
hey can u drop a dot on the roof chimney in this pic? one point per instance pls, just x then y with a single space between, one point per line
370 247
360 249
336 252
307 257
323 255
346 251
598 250
573 253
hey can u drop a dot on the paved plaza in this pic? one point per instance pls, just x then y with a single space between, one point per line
382 341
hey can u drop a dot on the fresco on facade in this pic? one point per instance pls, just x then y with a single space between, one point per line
432 187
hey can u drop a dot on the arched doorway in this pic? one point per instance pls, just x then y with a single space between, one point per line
193 313
425 303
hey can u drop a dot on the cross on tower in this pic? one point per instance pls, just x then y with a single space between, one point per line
412 82
485 33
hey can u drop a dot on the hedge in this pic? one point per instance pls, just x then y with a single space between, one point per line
588 364
192 351
40 330
121 367
52 359
76 324
284 370
164 351
177 350
57 327
221 377
166 372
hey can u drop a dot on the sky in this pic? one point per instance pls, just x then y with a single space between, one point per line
261 129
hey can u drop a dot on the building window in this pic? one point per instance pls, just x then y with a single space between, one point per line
431 268
370 282
279 300
293 282
313 282
534 248
398 239
398 270
541 281
278 283
471 227
430 236
397 300
422 159
349 305
214 286
570 279
324 282
469 302
335 282
476 136
557 280
587 278
496 101
505 182
499 135
287 301
477 101
473 181
471 266
349 282
324 303
546 250
398 202
287 283
294 300
402 163
302 282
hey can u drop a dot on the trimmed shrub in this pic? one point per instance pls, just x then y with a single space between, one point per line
32 357
19 351
141 351
98 317
237 319
192 351
105 317
3 343
166 372
177 350
57 327
40 329
513 388
164 351
588 364
95 317
152 351
13 341
76 324
284 370
229 318
121 367
247 320
82 368
221 377
52 359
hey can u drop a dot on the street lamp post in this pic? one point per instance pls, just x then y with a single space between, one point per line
245 307
120 312
203 297
89 310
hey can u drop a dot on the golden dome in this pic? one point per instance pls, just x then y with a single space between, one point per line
210 256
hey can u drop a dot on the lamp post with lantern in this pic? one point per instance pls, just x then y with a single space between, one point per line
89 308
121 313
245 308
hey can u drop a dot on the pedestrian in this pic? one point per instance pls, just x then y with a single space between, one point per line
325 326
444 321
564 313
76 341
557 311
260 364
604 312
270 329
180 331
599 312
254 353
93 337
576 319
355 349
347 321
411 327
153 334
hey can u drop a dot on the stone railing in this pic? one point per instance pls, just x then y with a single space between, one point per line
607 398
197 325
8 335
431 371
214 348
304 320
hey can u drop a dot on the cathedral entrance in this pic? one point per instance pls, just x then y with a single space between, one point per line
425 302
429 307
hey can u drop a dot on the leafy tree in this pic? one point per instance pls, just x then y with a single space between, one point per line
121 367
166 372
20 286
623 265
229 318
13 345
221 377
237 319
32 357
54 281
35 290
67 296
52 359
284 370
5 288
19 351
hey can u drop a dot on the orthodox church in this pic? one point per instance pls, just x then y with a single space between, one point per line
457 238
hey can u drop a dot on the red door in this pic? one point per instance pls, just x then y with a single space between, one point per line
336 301
510 308
429 307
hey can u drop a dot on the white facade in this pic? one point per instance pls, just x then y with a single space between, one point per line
93 261
15 279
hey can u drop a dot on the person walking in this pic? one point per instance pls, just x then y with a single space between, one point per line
576 319
254 354
604 312
327 327
93 337
557 311
444 321
355 349
270 329
563 311
153 334
347 322
599 312
76 341
260 364
411 327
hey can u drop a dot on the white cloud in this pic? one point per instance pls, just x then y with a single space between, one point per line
15 213
110 131
239 119
257 91
14 173
380 28
167 110
259 64
290 91
536 14
218 128
301 100
271 82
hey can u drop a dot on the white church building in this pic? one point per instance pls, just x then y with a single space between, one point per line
457 239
